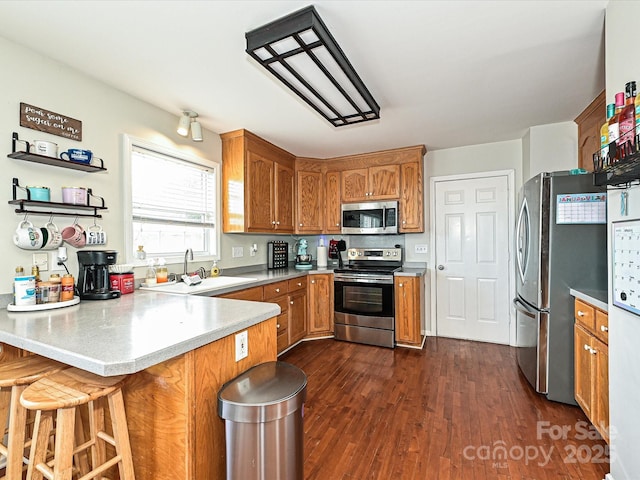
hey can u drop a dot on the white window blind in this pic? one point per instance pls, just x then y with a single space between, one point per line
173 204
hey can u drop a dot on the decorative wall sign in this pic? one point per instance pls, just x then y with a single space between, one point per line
43 120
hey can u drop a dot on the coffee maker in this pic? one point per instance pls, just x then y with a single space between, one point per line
93 278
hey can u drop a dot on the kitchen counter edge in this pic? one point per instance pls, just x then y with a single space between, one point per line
597 298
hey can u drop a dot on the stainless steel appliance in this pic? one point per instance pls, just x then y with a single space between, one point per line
561 243
93 278
370 218
363 290
277 254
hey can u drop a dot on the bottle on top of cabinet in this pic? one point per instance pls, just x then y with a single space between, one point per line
614 124
604 134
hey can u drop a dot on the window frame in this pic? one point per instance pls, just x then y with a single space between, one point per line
128 143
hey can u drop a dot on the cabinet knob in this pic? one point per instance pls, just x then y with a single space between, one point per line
401 284
337 224
312 281
404 222
587 347
603 328
593 351
277 290
273 222
581 313
277 325
300 225
299 284
291 302
277 223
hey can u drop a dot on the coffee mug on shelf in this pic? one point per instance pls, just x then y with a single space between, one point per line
77 155
55 237
27 236
42 147
74 235
95 235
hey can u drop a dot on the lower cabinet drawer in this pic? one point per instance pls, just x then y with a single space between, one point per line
282 338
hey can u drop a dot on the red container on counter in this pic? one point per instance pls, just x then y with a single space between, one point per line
122 281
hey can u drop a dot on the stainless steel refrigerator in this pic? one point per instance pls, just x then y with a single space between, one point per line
560 244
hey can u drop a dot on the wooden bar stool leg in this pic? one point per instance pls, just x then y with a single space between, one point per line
41 432
17 426
96 419
121 435
81 459
65 430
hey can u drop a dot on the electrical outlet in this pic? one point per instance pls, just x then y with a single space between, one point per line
253 250
41 260
421 248
242 345
53 262
237 252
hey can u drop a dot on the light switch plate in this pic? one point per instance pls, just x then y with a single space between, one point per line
242 345
41 260
421 248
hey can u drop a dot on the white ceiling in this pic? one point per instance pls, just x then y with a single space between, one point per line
445 73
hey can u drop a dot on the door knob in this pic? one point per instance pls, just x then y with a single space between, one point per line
440 267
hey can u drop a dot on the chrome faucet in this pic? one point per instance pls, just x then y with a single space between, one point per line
188 254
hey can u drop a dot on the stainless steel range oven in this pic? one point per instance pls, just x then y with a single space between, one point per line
364 304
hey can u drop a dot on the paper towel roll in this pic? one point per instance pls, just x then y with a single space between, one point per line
321 256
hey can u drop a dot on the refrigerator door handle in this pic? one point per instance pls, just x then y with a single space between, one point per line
524 308
522 251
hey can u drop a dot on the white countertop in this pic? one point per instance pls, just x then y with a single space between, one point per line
597 298
130 333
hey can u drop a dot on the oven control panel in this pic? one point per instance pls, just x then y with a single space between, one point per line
383 254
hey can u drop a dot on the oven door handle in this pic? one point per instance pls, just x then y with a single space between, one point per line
386 279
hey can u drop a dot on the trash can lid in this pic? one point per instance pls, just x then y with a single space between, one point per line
265 392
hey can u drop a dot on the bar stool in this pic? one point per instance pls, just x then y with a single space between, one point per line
15 376
61 393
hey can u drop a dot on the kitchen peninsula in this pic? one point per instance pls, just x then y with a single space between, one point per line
179 350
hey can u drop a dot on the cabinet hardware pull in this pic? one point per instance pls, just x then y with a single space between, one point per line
291 302
277 290
300 225
337 224
277 325
400 284
277 223
581 313
273 222
587 347
603 328
593 351
299 284
312 281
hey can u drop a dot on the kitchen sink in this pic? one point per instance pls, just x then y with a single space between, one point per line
207 285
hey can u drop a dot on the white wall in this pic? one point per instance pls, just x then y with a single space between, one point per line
551 148
105 114
624 328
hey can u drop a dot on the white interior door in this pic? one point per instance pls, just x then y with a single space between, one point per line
472 258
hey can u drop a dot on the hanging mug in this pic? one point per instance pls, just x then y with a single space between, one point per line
95 235
27 236
74 235
55 237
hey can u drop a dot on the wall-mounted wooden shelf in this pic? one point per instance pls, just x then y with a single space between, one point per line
56 162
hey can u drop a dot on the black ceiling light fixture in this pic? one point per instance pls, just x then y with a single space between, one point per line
299 50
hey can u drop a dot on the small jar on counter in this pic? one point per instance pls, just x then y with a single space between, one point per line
66 292
55 284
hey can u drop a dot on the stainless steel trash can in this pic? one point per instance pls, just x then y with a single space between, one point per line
263 410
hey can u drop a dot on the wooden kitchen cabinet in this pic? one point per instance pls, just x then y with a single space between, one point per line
310 202
591 365
589 123
409 292
333 203
258 190
320 291
291 296
411 199
381 182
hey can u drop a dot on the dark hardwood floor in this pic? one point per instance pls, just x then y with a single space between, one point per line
455 410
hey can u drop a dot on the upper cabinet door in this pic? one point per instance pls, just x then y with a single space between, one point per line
384 182
284 199
310 201
411 208
259 194
354 185
333 214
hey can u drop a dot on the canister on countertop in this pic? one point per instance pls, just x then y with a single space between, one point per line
24 290
66 293
122 281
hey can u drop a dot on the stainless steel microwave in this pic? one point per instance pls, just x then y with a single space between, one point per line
370 218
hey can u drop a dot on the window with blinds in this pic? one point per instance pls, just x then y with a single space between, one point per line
173 204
